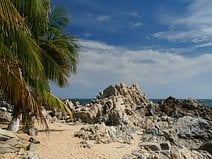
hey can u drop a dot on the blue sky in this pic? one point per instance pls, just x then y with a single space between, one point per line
164 46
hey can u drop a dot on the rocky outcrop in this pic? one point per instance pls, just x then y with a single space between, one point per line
114 106
100 133
132 95
179 108
164 137
170 129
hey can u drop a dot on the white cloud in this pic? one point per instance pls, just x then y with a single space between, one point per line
207 44
102 18
194 25
135 25
101 65
133 14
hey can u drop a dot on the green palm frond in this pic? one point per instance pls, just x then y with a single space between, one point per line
35 12
6 53
15 36
55 102
59 18
33 50
60 58
10 18
17 90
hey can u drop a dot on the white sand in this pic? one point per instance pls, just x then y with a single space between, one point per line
60 143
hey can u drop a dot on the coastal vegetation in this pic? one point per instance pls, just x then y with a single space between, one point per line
34 51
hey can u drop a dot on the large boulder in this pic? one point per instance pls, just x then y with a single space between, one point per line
189 127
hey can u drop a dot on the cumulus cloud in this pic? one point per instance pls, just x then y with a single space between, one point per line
194 25
159 73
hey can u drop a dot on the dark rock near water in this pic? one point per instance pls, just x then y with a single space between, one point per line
179 108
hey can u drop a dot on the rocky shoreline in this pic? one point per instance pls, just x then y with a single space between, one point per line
170 129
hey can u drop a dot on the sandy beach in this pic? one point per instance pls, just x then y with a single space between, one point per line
60 143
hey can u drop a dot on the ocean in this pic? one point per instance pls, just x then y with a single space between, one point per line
203 101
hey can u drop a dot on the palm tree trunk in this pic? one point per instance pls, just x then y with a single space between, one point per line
15 122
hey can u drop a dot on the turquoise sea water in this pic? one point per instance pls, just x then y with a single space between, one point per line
203 101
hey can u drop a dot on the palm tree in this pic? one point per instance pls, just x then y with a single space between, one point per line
33 50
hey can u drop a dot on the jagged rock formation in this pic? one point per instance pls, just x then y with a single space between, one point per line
170 129
114 106
179 108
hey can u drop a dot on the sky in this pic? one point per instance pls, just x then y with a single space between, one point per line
163 46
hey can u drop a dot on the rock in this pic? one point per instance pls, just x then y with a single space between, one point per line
101 133
133 93
6 135
138 154
97 132
10 146
5 148
89 115
179 108
150 146
165 146
127 156
31 147
5 111
117 105
84 144
31 155
153 131
34 141
33 131
207 146
6 106
5 116
190 104
189 127
170 129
